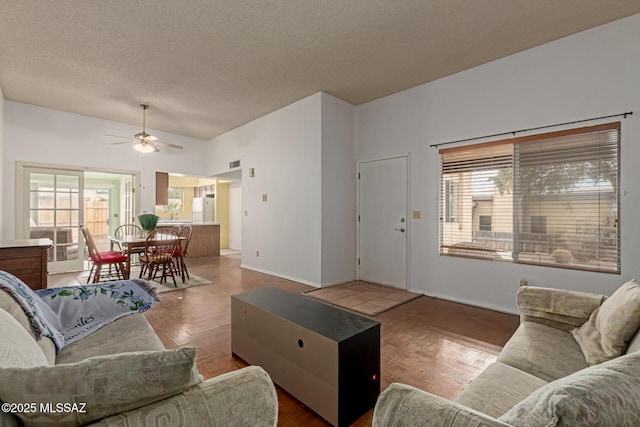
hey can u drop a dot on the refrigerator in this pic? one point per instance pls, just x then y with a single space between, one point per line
204 209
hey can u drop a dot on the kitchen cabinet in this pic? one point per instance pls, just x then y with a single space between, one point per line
162 188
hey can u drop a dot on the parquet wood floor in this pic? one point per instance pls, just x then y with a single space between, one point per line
436 345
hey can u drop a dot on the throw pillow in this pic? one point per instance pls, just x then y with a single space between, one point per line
610 327
42 319
18 349
76 394
601 395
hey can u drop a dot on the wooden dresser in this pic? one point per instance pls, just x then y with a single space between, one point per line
27 260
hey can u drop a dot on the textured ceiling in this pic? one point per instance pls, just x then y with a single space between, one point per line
208 66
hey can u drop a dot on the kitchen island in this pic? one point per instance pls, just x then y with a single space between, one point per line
205 240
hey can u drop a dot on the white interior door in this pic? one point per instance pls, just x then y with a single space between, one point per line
382 228
54 208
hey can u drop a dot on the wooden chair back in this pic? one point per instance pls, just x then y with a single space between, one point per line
128 230
186 231
94 254
162 244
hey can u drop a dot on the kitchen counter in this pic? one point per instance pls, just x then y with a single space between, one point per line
205 237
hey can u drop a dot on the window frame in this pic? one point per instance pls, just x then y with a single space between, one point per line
457 161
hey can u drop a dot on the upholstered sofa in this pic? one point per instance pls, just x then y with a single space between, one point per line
120 375
573 361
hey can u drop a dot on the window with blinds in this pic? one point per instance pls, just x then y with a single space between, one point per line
550 199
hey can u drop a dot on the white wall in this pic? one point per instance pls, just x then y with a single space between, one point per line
338 196
303 160
586 75
283 148
46 136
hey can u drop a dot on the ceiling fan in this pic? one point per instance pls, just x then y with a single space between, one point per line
142 141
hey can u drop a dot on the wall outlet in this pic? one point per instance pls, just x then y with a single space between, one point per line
252 172
246 213
264 197
257 254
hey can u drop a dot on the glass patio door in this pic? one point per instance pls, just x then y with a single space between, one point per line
54 207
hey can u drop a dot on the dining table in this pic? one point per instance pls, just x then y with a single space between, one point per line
129 243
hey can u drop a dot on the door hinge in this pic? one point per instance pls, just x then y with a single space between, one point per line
358 175
358 218
358 261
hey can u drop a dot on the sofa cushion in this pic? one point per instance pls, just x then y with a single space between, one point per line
610 327
13 308
559 308
601 395
18 349
545 352
106 384
498 388
114 338
634 344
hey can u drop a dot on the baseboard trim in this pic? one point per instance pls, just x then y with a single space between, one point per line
464 301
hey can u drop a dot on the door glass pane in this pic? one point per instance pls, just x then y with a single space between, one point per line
54 214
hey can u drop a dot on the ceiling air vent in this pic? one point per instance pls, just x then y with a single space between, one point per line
234 164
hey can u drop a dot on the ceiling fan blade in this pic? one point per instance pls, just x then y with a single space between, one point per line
166 144
129 141
117 136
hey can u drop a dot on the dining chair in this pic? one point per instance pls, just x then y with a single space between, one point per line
183 247
129 230
159 249
98 259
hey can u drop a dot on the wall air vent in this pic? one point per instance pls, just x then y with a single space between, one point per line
234 164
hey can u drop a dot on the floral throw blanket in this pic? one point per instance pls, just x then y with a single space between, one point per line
70 313
84 309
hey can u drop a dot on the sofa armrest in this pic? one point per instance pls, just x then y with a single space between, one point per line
558 308
246 397
402 405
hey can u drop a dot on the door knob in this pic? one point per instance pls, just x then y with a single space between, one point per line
399 229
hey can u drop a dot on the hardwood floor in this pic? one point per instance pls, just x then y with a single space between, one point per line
436 345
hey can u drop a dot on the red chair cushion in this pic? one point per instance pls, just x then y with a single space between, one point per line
112 256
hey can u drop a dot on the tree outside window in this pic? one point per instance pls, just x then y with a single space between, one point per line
176 198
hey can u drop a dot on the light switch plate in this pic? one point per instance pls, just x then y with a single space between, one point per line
264 197
417 214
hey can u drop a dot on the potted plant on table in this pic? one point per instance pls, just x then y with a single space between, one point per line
148 222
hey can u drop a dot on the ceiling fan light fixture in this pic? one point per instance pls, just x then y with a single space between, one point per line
142 141
145 148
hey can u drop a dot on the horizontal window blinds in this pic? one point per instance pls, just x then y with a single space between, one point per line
550 199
